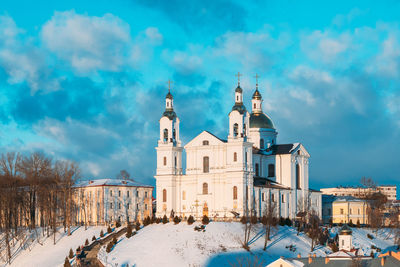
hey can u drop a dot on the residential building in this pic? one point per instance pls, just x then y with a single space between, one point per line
390 191
344 209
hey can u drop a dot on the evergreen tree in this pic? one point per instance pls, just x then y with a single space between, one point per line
165 219
190 221
94 238
129 231
101 233
137 227
109 230
205 220
71 253
66 262
87 242
177 220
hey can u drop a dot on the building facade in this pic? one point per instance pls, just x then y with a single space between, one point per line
390 191
98 202
235 176
344 209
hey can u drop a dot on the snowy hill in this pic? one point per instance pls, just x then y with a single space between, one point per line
179 245
43 252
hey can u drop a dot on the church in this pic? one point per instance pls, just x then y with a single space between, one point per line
230 177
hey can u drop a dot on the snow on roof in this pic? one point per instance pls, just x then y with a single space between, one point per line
341 254
110 182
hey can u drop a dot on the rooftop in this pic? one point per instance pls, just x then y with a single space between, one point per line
110 182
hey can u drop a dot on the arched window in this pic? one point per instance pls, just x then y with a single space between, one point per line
254 105
297 176
262 143
206 164
235 192
173 133
237 98
184 195
165 161
234 156
257 167
164 195
205 143
175 162
271 170
165 135
235 129
205 188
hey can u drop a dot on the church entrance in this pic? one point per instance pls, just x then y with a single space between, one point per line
205 209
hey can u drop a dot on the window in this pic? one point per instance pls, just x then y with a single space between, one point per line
137 206
175 161
110 205
164 195
205 188
262 143
165 135
341 211
127 206
206 163
173 133
235 129
119 206
342 242
350 211
273 197
297 176
145 206
184 195
257 170
165 161
254 105
234 156
263 196
119 193
127 193
271 170
111 193
137 193
358 211
235 192
283 198
145 194
237 98
205 143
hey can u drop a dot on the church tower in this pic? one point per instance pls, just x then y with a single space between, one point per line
169 158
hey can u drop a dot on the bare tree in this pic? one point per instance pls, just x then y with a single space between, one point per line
269 220
303 208
124 175
313 229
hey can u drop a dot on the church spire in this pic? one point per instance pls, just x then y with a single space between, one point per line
238 91
256 101
169 103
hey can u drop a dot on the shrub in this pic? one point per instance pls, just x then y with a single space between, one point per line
190 221
109 247
351 224
165 219
358 224
87 242
281 221
78 249
114 241
264 220
109 230
243 219
253 220
370 236
117 224
94 238
71 254
153 219
101 233
129 231
158 220
177 220
66 262
137 226
288 222
146 221
205 220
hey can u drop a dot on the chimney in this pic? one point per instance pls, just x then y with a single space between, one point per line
299 255
309 259
326 260
383 261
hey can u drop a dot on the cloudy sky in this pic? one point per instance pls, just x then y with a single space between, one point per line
86 80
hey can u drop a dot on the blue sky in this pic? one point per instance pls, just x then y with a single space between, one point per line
86 80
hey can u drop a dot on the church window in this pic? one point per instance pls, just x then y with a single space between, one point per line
244 129
167 104
205 188
341 211
283 198
263 196
110 193
119 205
254 105
234 156
110 205
165 135
262 143
184 195
271 170
205 143
164 195
145 194
175 161
235 192
235 129
237 98
119 193
127 193
298 152
137 193
257 169
206 164
145 206
273 197
137 206
342 242
173 134
127 206
297 176
165 161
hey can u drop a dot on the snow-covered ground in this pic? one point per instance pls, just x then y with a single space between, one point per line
45 253
179 245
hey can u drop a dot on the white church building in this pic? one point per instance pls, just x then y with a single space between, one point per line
232 177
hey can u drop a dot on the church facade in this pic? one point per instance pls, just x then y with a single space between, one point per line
240 175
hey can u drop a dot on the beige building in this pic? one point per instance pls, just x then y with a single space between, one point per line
108 200
344 209
390 191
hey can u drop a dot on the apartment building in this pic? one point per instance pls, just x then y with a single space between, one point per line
390 191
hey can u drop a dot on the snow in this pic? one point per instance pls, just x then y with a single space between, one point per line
49 254
179 245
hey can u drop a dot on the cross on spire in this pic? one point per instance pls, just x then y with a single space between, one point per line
256 76
169 85
238 76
